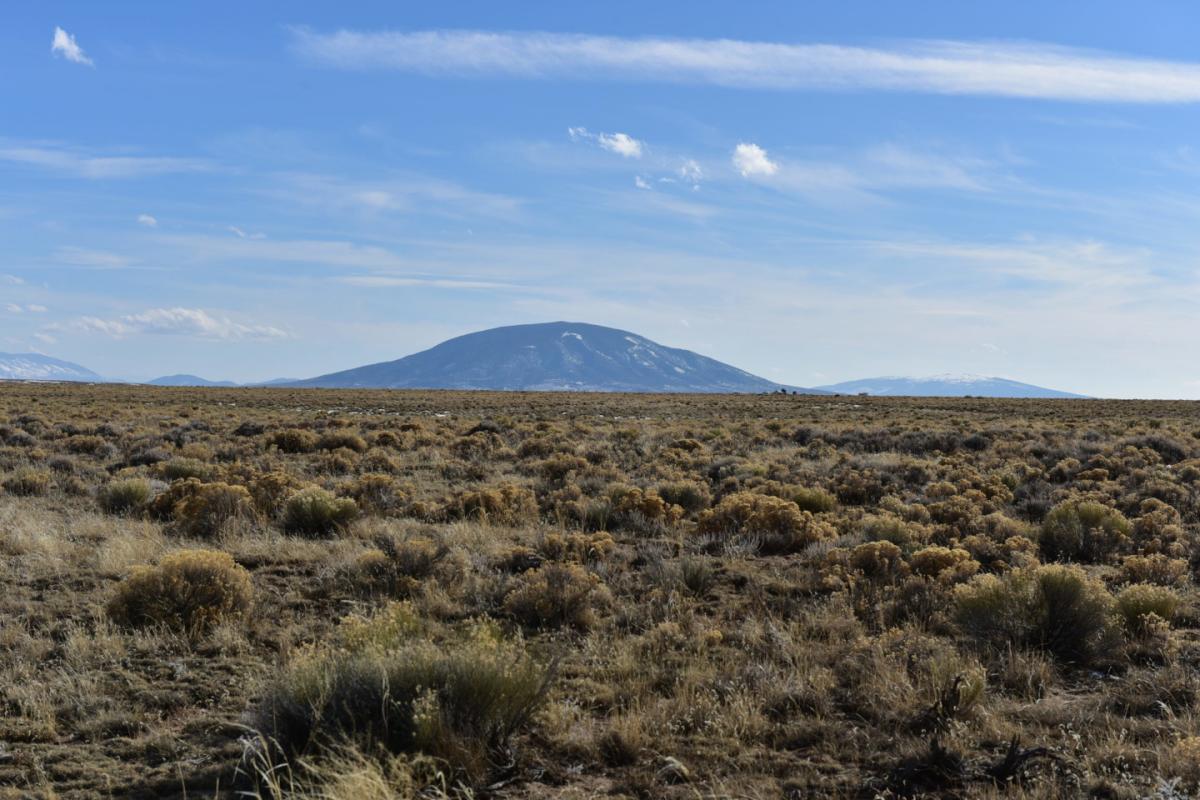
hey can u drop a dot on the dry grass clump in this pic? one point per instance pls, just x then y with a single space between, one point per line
392 685
189 591
28 482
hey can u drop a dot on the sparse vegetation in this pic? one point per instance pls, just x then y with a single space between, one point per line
437 594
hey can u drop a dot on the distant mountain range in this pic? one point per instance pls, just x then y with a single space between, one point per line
552 356
187 380
945 386
35 367
559 356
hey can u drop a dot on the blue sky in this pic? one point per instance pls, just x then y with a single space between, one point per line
811 191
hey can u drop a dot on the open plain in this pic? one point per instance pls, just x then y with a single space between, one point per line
368 594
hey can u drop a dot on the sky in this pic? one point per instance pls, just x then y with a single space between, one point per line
813 192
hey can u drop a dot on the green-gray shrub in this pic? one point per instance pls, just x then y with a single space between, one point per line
1054 608
1085 531
390 685
124 496
316 512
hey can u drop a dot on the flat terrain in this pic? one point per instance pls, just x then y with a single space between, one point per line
608 595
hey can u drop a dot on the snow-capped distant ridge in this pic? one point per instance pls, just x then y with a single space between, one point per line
552 356
37 367
945 385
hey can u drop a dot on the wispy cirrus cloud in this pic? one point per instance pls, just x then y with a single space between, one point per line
400 193
71 255
873 174
84 164
1005 69
396 281
192 322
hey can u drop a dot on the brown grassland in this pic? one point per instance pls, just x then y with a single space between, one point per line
343 595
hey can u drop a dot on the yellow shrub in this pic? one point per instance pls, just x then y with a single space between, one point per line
206 511
294 440
949 565
557 594
190 591
1140 603
879 561
1156 568
581 547
774 524
508 505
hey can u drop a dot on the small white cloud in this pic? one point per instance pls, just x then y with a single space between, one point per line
147 220
752 161
12 280
690 171
192 322
640 183
13 308
64 45
621 143
45 338
34 308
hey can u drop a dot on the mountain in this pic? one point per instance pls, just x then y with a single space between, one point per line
35 367
187 380
945 386
552 356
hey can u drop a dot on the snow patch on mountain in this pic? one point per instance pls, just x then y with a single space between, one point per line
37 367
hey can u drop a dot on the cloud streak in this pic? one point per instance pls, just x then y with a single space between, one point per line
191 322
1004 69
96 167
